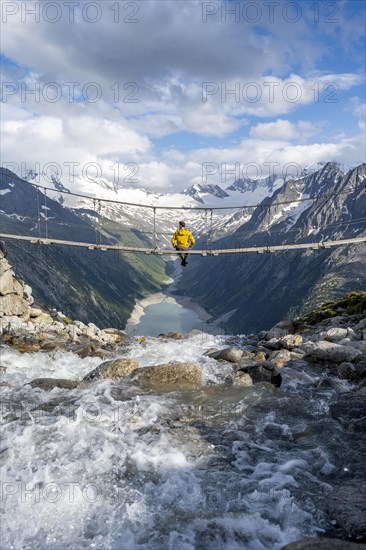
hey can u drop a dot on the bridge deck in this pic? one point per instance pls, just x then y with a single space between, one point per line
202 252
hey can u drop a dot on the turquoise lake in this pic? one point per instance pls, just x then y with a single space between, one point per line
164 317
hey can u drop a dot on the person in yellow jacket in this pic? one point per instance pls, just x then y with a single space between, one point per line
181 240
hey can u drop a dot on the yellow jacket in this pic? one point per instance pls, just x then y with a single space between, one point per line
183 238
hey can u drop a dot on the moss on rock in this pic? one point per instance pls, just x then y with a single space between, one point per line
352 303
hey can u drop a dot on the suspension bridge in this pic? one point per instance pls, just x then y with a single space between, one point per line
203 252
154 249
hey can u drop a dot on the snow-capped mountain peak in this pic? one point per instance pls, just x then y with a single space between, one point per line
199 190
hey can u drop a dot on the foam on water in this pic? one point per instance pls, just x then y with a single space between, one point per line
109 466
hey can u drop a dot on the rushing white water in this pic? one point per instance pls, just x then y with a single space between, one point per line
110 466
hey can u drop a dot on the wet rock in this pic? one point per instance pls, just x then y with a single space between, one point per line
260 357
242 379
348 407
347 371
233 355
25 343
327 351
347 505
280 358
102 354
248 354
168 376
360 388
85 348
116 369
323 544
210 351
359 425
273 343
176 335
195 331
245 362
115 336
291 341
296 356
49 384
51 335
51 345
264 372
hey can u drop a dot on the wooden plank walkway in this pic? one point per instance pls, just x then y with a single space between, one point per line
203 252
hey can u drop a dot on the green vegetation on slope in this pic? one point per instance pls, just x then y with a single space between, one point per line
352 303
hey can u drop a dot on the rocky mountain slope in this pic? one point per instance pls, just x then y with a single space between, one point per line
252 292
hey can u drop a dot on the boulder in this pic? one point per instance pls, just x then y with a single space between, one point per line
360 388
6 283
328 351
233 355
296 355
35 312
360 345
360 325
4 266
323 544
273 343
52 345
85 348
259 357
12 304
245 362
10 324
210 351
169 376
347 371
27 292
242 379
48 384
291 341
174 335
335 334
280 358
18 288
25 343
114 331
115 369
263 372
43 319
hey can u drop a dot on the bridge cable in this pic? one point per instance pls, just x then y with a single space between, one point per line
39 215
301 199
45 214
154 228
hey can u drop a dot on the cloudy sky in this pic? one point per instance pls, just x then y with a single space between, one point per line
162 94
